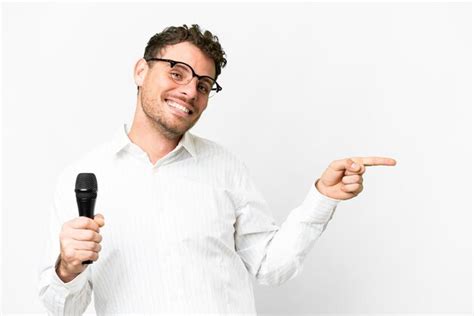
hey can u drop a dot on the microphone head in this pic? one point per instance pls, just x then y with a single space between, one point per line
86 185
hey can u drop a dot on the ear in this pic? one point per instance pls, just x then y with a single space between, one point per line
140 71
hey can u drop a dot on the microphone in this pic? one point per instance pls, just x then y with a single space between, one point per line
86 193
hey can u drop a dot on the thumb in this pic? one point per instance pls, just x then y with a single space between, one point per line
99 219
335 171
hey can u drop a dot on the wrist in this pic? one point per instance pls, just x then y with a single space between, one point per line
62 272
320 187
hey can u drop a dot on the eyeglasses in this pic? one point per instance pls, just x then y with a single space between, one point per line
182 74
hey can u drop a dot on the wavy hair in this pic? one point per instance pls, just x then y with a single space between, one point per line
205 41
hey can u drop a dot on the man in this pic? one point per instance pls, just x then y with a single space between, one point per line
186 227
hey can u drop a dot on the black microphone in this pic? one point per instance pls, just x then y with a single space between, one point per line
86 193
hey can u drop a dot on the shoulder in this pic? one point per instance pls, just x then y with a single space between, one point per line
207 149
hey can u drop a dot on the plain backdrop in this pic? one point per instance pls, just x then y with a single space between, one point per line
305 84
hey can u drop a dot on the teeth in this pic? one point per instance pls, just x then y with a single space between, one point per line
178 106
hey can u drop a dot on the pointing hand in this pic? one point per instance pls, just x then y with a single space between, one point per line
342 180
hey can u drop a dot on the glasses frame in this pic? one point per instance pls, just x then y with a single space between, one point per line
174 62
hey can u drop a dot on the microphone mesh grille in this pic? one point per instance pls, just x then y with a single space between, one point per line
86 181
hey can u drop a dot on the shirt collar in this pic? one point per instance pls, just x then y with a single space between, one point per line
121 141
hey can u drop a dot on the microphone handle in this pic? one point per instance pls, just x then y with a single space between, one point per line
86 208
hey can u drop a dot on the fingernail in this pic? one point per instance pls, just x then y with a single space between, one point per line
355 166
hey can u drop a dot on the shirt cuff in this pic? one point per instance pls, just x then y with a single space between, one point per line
316 207
74 285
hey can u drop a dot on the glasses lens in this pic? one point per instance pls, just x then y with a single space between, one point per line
212 93
207 86
181 73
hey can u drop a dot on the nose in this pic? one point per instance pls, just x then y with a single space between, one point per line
190 89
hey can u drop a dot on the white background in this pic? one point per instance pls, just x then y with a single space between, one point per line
305 84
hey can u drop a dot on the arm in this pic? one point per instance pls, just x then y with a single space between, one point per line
275 255
271 254
58 296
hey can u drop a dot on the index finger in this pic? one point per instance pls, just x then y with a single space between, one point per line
375 161
83 222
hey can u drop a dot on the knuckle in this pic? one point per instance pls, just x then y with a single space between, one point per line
91 224
91 246
348 162
95 223
82 221
90 235
84 235
349 172
69 254
86 245
334 164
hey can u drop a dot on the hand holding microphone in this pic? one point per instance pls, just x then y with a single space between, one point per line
80 237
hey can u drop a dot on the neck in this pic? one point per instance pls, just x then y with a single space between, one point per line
145 134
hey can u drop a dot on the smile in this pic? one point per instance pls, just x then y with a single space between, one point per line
178 106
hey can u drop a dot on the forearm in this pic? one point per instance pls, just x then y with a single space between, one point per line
289 246
64 298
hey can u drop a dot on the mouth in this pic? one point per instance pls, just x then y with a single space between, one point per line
179 108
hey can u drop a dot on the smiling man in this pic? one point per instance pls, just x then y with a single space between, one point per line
187 230
172 96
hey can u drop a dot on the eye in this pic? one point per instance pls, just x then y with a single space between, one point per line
176 75
204 88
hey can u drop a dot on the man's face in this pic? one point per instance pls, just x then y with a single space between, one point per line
160 95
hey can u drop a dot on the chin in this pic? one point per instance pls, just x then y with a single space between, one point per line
172 131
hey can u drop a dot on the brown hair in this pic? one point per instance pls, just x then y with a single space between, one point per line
207 42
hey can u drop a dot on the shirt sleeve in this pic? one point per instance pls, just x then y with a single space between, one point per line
61 298
272 254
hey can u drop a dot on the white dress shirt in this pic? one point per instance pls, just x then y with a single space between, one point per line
184 235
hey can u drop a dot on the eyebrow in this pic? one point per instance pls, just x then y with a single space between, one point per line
193 68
